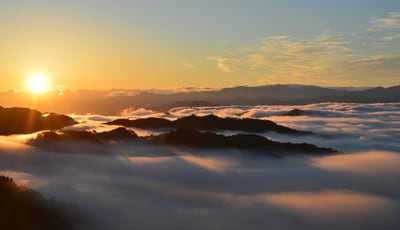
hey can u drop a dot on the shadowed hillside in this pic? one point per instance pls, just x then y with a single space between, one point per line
67 140
25 209
259 144
81 141
52 137
24 120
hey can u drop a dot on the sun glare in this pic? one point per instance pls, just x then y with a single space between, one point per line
37 82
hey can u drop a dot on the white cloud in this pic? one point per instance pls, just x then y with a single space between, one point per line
392 37
140 113
290 58
225 64
391 21
325 59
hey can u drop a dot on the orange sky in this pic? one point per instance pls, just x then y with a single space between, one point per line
158 45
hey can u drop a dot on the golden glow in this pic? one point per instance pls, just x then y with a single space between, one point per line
37 83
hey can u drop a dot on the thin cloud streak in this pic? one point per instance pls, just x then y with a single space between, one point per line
331 204
222 64
391 21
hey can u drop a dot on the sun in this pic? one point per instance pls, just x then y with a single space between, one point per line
37 82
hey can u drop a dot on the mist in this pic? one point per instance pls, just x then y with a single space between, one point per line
144 186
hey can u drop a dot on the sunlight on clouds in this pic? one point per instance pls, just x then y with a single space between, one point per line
15 142
324 59
329 204
362 163
291 58
136 182
229 112
151 160
215 164
223 63
284 59
140 113
321 45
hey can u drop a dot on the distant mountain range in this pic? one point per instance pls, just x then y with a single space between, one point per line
114 101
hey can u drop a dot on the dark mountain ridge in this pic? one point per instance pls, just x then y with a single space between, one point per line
24 121
209 122
254 143
72 140
25 209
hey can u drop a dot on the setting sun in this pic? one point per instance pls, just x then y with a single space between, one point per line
37 82
228 114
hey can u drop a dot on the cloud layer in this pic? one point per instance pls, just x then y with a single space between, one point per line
151 187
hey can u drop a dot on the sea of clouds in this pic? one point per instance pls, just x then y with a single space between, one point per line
142 186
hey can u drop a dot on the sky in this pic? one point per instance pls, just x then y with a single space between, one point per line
138 44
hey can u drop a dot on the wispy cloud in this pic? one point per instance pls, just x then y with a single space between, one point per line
375 64
372 163
392 37
317 45
324 59
285 54
391 21
187 65
225 64
330 204
285 59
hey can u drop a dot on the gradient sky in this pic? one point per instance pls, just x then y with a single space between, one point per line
97 44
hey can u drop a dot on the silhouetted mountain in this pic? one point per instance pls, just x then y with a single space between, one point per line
81 141
145 123
295 112
25 209
385 94
67 136
188 104
196 139
24 120
270 95
51 137
210 122
117 135
113 102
